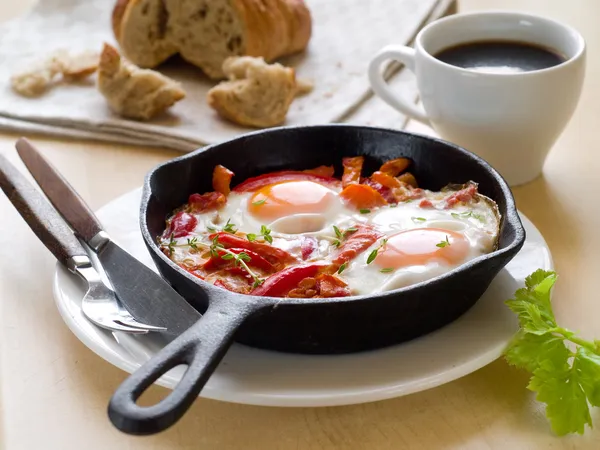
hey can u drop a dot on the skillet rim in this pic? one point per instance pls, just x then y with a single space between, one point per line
511 217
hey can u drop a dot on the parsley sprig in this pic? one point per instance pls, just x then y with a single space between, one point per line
565 368
265 233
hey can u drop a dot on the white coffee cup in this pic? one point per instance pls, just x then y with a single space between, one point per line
509 119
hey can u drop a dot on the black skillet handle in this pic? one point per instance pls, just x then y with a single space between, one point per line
201 348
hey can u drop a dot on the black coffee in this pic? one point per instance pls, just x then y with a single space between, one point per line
500 56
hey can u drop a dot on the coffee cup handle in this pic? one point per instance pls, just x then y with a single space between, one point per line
405 55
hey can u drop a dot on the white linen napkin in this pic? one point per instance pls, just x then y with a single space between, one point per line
346 34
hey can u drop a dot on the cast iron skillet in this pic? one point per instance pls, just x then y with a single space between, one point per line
321 326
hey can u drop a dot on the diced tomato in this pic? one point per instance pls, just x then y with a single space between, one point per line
403 194
255 260
385 180
362 196
385 192
465 195
274 255
255 183
408 178
324 171
280 283
206 202
425 203
352 170
308 246
331 286
221 179
182 224
357 243
395 166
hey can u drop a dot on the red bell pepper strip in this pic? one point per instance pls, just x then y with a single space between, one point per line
273 254
280 283
357 243
352 169
222 179
255 183
255 260
393 167
181 225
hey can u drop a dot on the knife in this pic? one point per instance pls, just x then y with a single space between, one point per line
144 293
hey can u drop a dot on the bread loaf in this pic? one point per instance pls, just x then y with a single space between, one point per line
206 32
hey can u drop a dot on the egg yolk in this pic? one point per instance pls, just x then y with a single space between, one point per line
293 197
420 246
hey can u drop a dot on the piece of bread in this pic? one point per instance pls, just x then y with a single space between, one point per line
206 32
133 92
38 78
257 94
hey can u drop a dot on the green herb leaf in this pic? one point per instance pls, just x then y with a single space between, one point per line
211 229
243 256
229 227
266 234
338 233
259 202
251 237
342 268
418 219
171 244
257 282
193 243
443 243
387 270
372 256
365 211
351 230
227 256
336 243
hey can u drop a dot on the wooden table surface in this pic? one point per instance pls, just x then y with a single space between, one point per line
54 390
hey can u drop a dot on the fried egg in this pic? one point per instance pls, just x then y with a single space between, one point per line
422 243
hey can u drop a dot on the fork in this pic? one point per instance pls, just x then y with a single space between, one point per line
100 304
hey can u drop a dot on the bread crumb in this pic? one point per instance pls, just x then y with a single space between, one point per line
60 66
133 92
304 86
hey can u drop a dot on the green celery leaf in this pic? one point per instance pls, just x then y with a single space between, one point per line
527 350
588 371
566 404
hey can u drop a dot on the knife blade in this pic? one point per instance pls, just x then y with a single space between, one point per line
143 292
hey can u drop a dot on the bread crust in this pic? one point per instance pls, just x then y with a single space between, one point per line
270 29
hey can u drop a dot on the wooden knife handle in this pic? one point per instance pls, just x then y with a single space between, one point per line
39 214
60 193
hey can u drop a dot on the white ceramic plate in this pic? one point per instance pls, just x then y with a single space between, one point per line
259 377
